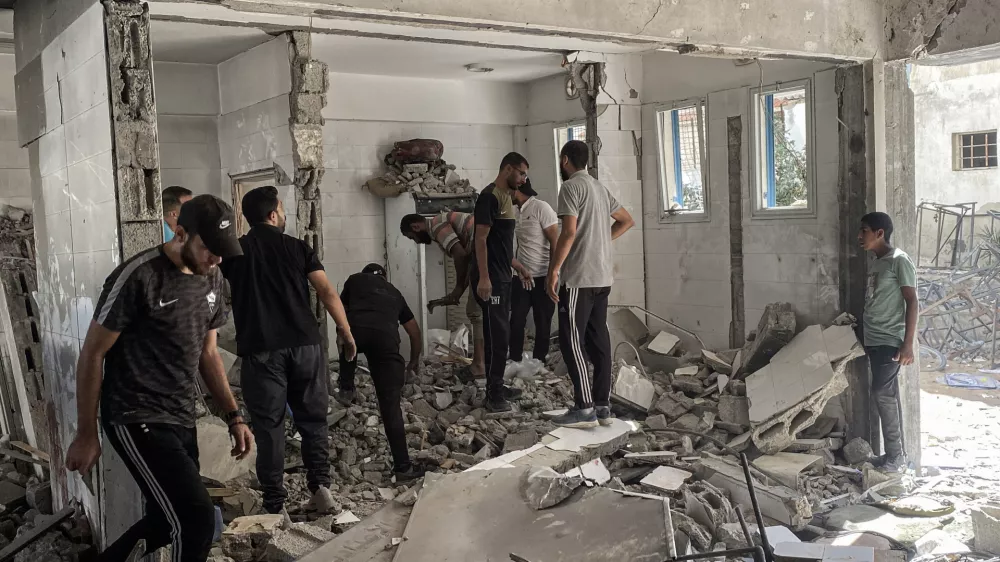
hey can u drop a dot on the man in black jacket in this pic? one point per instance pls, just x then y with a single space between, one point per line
375 310
279 343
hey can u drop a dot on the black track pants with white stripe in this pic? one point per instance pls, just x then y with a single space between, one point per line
163 460
583 335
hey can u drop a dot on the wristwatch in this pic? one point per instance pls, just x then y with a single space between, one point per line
230 417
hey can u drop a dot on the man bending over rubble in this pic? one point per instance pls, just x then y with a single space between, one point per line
890 323
280 346
453 232
583 253
375 309
153 329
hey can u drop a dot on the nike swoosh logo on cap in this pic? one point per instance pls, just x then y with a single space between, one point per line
163 304
223 224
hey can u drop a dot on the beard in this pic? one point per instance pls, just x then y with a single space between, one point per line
563 174
423 237
282 223
187 256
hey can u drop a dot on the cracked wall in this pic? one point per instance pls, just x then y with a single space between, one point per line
968 28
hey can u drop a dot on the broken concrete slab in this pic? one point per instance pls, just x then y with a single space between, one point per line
796 371
802 551
688 371
718 364
811 445
592 472
939 542
869 518
779 431
247 537
655 362
786 467
520 440
664 343
734 409
632 388
779 503
673 405
857 451
986 528
688 384
442 400
658 421
666 479
543 487
708 505
367 542
484 509
214 446
291 544
421 408
841 342
775 329
652 457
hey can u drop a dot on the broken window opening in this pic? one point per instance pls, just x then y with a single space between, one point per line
562 135
683 168
782 149
976 150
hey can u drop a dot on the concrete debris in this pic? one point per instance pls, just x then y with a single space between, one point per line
432 176
521 440
673 405
734 409
857 451
346 518
786 467
543 487
442 400
716 362
779 503
775 329
214 446
939 542
799 551
700 538
796 371
666 479
291 544
663 344
708 505
593 472
986 529
11 494
39 497
689 370
246 538
633 388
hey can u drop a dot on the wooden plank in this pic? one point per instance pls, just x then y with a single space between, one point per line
8 552
25 458
221 492
32 450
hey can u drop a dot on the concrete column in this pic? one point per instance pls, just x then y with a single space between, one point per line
310 81
86 115
615 117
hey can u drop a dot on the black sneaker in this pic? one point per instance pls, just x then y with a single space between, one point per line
578 419
346 397
890 464
497 406
604 415
511 393
411 473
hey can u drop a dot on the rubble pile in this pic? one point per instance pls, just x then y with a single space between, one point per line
416 166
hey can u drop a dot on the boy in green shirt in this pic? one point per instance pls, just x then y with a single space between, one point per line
890 324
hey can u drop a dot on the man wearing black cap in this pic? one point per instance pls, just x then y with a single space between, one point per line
280 346
154 328
375 309
537 232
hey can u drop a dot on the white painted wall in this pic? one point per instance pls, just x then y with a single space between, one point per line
15 178
187 120
687 264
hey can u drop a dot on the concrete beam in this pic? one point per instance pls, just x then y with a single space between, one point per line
936 29
809 28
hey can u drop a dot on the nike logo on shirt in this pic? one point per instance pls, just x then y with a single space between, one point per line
163 304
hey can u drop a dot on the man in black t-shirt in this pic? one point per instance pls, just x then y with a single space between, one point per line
279 344
493 257
153 329
375 310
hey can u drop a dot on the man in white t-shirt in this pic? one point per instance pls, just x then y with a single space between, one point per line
537 232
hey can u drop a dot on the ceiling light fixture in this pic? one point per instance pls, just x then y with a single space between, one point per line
476 67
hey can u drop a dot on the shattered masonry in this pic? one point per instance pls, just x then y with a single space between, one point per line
310 82
136 156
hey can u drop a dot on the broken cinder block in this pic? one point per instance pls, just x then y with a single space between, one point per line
775 329
246 537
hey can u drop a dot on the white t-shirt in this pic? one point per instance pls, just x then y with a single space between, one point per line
532 245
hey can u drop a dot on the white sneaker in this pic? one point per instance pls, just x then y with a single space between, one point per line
322 501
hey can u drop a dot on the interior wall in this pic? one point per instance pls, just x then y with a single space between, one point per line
364 117
187 108
688 263
254 132
15 178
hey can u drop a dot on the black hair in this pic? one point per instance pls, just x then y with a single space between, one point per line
259 203
878 221
513 159
577 152
408 221
172 197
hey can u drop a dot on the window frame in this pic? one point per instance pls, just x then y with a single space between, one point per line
659 111
956 151
556 148
756 137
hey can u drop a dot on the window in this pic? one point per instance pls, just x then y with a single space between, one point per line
681 136
564 134
975 150
781 121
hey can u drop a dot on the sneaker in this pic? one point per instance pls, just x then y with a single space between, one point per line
577 419
411 473
322 501
511 393
892 464
604 415
346 397
497 406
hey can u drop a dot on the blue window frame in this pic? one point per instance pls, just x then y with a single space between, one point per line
683 177
782 157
